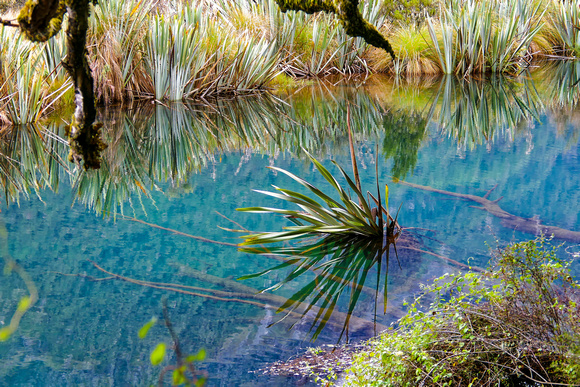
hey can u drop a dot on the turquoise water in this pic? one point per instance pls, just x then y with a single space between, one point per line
177 168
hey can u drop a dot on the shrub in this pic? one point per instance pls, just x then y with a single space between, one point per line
515 322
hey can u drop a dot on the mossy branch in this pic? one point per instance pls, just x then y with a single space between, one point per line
349 15
39 20
84 134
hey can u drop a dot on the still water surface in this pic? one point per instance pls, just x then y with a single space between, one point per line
188 168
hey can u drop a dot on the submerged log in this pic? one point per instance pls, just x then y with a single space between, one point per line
527 225
337 318
247 295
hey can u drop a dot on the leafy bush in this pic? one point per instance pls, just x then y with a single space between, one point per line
410 12
518 321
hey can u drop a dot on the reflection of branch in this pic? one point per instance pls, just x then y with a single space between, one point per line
245 292
531 226
179 232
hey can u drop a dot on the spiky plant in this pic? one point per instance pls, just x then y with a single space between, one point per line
345 217
117 33
349 238
562 28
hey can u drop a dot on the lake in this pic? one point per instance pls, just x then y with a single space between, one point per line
163 205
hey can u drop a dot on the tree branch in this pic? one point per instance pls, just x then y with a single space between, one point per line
349 15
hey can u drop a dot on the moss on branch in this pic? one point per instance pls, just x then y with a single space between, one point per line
349 15
40 20
84 134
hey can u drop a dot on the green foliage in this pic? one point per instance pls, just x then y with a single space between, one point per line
158 354
184 372
404 133
345 217
409 12
145 328
517 320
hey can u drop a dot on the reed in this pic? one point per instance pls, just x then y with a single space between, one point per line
562 32
171 48
26 79
519 22
117 48
472 37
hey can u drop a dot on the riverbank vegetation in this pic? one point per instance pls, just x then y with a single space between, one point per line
172 50
516 322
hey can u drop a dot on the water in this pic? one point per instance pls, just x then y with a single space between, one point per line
177 168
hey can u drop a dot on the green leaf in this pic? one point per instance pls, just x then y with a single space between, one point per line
5 333
145 328
178 376
200 356
158 354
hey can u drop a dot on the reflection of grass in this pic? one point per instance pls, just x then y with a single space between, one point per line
341 265
153 143
476 112
31 159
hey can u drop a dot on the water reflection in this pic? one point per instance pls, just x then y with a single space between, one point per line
32 158
151 162
150 144
475 112
340 267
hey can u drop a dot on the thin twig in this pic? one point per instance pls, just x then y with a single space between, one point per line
9 23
